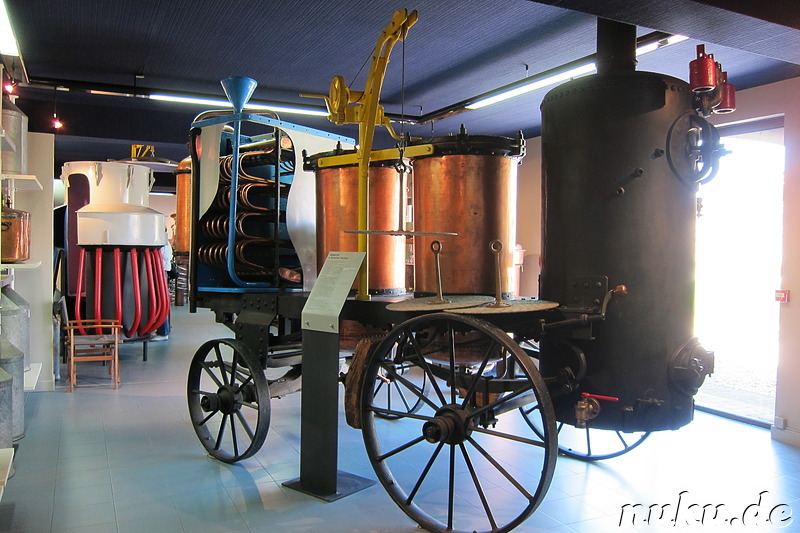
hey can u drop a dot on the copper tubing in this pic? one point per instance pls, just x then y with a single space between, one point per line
226 168
248 226
337 197
248 259
250 194
79 289
137 296
474 196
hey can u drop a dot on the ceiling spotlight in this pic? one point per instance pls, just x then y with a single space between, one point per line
57 124
9 87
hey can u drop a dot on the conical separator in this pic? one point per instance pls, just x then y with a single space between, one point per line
238 89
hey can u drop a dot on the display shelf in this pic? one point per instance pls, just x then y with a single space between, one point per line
23 182
21 266
32 376
6 457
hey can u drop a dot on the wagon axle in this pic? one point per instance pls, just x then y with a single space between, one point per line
228 399
451 425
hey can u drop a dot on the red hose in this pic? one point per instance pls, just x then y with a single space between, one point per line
118 282
158 268
146 328
165 298
157 282
98 287
137 296
79 289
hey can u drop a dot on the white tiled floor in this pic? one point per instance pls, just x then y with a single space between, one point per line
105 460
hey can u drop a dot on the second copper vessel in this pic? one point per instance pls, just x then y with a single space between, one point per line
469 187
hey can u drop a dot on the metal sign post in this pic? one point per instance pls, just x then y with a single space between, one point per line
319 475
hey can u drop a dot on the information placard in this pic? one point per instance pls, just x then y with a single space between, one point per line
321 312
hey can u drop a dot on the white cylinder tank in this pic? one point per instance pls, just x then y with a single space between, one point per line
118 212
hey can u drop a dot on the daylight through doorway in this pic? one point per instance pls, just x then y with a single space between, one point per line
739 254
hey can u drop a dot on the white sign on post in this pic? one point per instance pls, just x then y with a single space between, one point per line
321 312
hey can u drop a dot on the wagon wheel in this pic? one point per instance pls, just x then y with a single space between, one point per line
588 444
465 460
228 399
392 395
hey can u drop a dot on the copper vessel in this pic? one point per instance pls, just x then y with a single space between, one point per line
16 237
183 215
468 186
337 211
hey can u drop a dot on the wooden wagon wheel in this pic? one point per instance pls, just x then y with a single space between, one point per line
228 399
466 460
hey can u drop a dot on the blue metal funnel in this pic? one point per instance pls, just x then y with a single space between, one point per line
238 89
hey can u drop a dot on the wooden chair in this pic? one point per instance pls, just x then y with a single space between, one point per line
92 340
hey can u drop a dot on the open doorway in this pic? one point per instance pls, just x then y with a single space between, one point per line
739 255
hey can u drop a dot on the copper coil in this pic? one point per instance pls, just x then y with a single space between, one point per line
215 227
225 169
261 222
245 160
249 225
256 196
219 227
222 200
251 257
242 166
252 254
240 250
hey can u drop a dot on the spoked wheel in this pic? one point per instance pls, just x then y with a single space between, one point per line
588 444
392 395
228 399
466 460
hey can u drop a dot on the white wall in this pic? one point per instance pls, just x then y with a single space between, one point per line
529 215
781 98
36 285
166 204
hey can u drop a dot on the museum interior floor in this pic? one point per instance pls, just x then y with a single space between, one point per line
128 460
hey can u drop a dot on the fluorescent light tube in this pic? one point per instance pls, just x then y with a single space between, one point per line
250 105
582 70
576 72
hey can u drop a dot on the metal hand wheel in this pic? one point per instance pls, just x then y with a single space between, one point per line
466 460
228 399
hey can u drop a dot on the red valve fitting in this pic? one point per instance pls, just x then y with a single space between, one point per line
728 103
598 397
588 407
702 71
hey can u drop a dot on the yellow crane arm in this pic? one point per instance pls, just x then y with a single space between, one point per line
346 106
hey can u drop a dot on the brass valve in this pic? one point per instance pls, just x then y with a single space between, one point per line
588 407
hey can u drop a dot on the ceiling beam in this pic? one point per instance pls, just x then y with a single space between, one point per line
752 30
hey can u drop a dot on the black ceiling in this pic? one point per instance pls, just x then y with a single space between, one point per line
457 50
